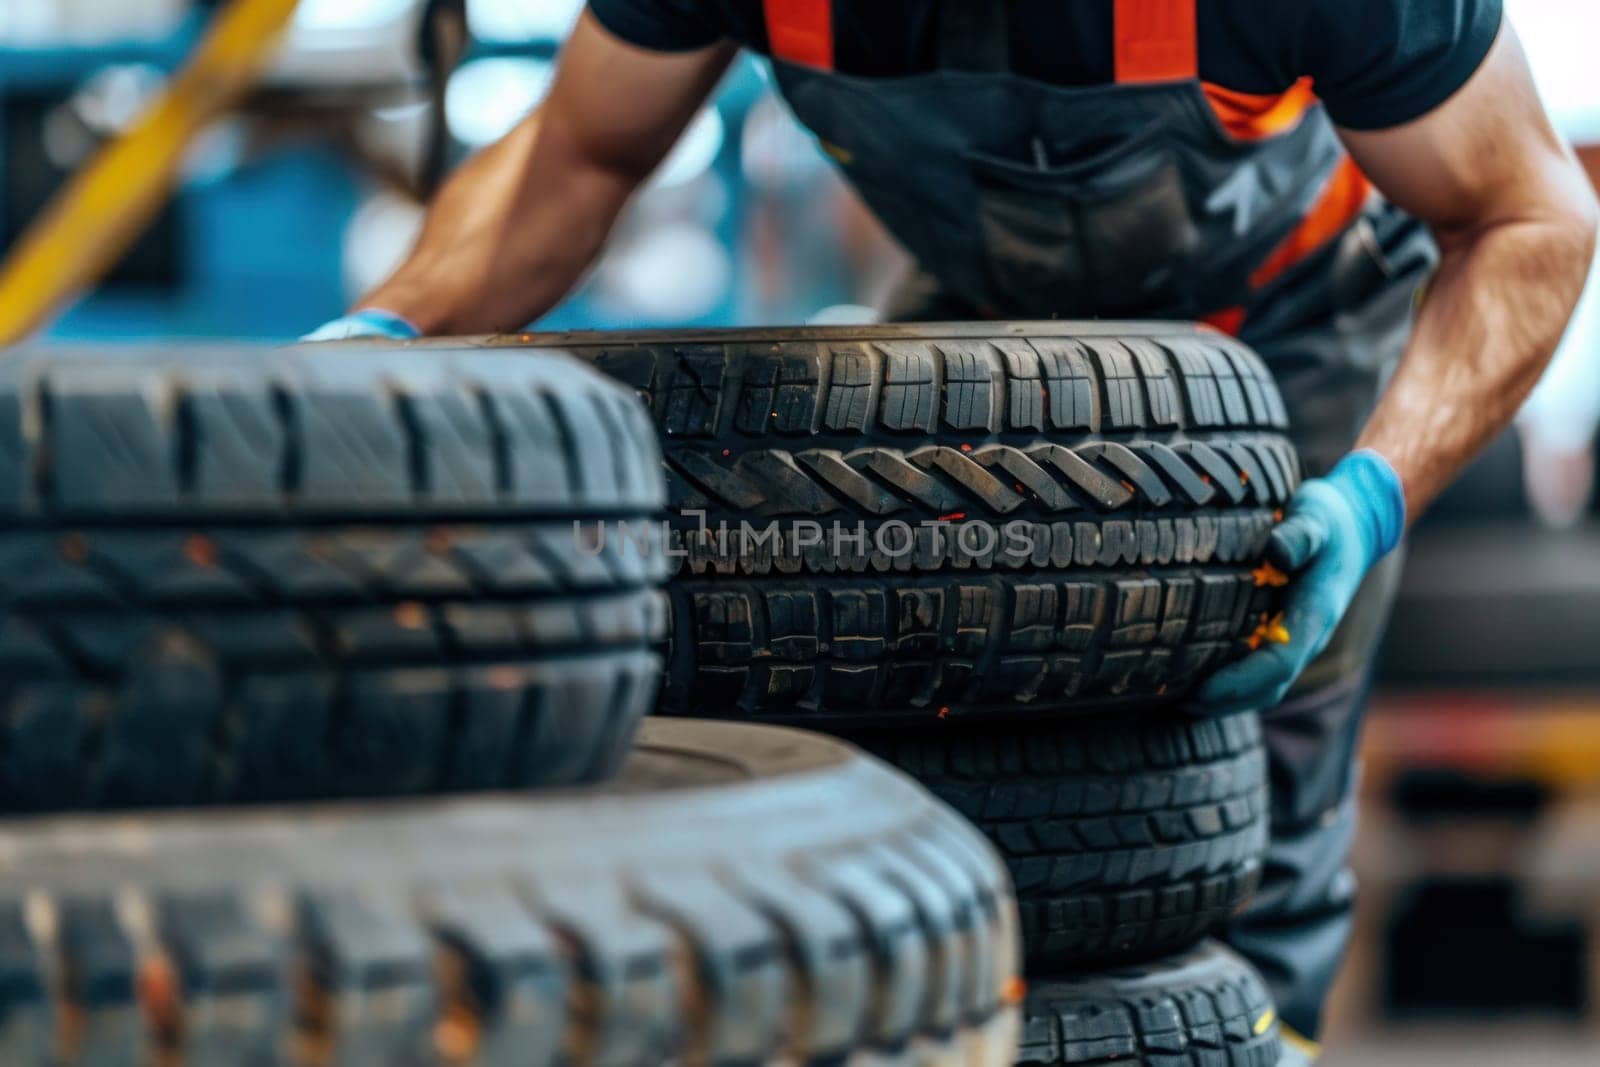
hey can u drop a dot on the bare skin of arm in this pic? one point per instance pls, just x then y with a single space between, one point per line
1515 218
514 229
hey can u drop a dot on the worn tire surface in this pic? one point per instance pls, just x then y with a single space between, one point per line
1125 839
1143 465
242 574
1205 1008
737 895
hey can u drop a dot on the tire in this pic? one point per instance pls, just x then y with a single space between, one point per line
1144 464
1205 1008
738 893
1125 841
231 575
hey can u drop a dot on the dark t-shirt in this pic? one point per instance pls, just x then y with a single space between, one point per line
1376 63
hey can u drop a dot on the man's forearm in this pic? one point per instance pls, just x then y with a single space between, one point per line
507 237
1515 216
1492 318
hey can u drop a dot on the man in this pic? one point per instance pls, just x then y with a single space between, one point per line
1214 159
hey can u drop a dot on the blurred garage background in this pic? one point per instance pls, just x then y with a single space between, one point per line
1480 853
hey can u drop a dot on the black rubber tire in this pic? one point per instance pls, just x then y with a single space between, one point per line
236 574
1146 462
737 893
1205 1008
1125 840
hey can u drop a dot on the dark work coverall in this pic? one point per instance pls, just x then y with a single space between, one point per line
1140 199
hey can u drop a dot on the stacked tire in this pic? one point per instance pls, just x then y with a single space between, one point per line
328 605
1044 536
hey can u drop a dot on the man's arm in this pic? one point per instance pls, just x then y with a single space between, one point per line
515 228
1515 218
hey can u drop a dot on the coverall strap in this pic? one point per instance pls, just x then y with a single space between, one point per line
801 32
1156 41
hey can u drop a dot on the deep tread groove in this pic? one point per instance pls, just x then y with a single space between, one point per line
571 461
41 463
499 443
288 421
187 444
416 441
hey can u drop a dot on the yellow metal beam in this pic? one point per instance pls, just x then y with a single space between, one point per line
108 204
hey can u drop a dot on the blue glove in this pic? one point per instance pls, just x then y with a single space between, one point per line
369 322
1336 529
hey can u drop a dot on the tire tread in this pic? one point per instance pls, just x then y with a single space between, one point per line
195 539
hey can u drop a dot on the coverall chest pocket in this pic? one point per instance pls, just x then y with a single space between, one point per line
1109 233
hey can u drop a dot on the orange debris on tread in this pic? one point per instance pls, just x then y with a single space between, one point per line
1277 515
74 548
200 550
158 995
1013 991
1270 631
966 448
410 615
456 1037
1268 575
505 678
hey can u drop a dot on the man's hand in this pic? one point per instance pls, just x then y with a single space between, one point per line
368 322
1336 528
